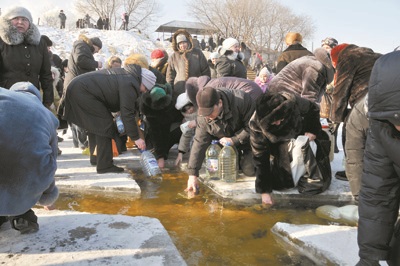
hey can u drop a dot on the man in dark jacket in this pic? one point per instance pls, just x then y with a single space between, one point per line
89 100
223 114
62 18
380 184
293 51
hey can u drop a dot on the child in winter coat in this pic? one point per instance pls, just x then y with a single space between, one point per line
189 112
263 79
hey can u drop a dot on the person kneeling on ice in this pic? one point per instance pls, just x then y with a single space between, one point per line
28 156
223 114
279 119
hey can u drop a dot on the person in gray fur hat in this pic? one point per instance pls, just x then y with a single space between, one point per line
23 53
28 161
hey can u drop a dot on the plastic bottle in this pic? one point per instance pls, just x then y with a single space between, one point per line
120 124
227 164
149 165
212 153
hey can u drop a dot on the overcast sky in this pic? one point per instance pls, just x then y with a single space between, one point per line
368 23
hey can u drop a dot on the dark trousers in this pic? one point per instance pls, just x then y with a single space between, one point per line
104 157
246 162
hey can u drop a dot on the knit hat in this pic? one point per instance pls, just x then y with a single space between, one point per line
148 78
157 53
228 43
181 38
17 11
331 42
137 59
264 71
182 100
335 52
96 41
214 55
206 98
157 93
293 37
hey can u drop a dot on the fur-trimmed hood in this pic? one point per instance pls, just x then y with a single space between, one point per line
10 35
188 37
287 110
84 38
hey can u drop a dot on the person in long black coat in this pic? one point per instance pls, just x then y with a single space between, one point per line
89 100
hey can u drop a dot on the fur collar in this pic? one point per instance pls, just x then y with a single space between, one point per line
188 37
289 127
10 35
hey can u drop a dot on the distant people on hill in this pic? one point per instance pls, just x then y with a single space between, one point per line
293 51
106 23
100 24
87 21
125 21
62 18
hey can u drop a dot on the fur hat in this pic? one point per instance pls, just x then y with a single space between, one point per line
17 11
96 41
181 38
335 52
148 78
156 54
137 59
182 100
293 37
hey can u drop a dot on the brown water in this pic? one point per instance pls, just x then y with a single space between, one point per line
206 229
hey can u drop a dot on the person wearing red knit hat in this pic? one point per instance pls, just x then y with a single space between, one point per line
159 60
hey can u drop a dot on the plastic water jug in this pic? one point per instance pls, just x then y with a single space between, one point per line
120 124
149 165
227 164
211 160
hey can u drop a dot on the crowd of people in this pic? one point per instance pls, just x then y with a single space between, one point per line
269 120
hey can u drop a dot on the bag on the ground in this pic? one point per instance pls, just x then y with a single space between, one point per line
317 169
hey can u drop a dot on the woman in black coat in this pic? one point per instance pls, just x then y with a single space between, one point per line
89 100
280 117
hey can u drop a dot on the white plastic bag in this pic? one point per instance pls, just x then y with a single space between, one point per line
297 163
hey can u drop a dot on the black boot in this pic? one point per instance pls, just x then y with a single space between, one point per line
341 175
25 223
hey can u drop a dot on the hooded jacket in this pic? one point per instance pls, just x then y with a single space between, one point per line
24 57
185 64
353 70
380 183
28 154
233 122
306 76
